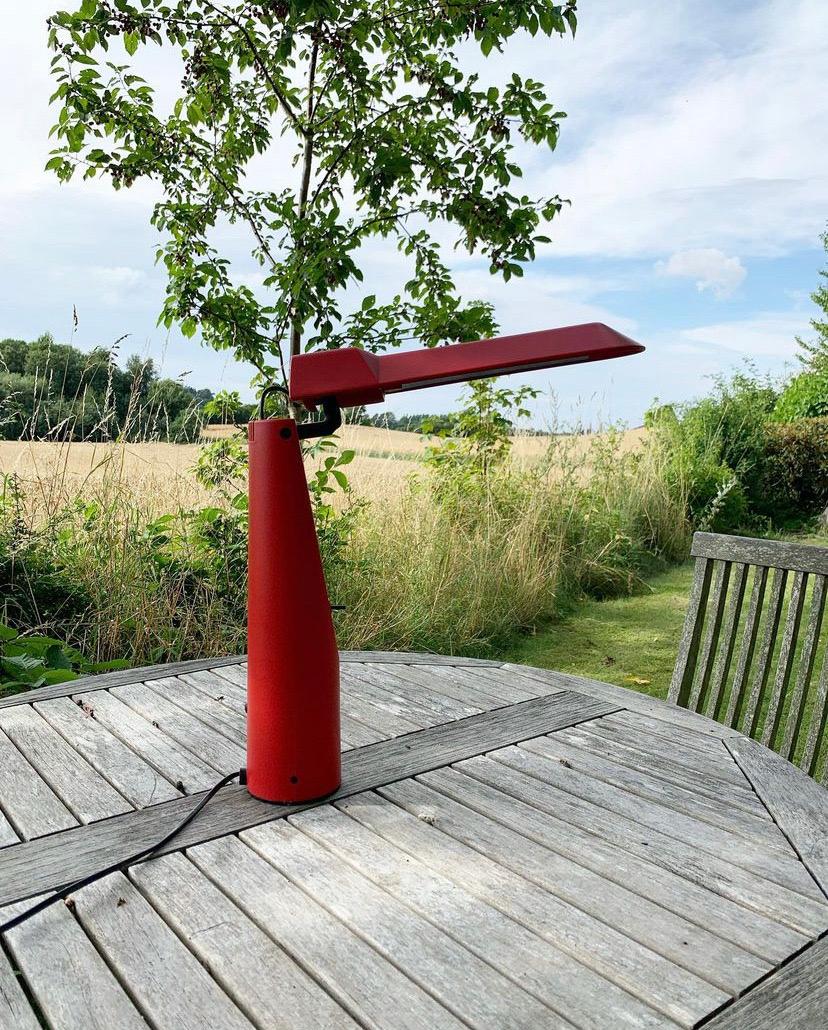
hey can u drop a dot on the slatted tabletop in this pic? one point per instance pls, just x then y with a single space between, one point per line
510 848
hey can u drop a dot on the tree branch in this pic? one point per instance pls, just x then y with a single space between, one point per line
257 57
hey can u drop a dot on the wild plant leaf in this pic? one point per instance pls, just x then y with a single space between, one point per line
51 676
56 658
113 666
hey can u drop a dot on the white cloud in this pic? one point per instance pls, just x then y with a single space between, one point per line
711 268
768 334
728 151
113 285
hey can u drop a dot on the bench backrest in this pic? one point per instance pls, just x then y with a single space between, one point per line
752 641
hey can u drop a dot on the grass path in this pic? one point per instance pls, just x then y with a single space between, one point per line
631 641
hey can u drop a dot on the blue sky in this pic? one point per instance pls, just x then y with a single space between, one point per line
695 157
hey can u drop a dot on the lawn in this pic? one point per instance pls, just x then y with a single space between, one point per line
631 641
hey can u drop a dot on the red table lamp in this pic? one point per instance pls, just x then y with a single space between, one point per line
293 745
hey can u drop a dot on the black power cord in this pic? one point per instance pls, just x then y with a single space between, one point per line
116 867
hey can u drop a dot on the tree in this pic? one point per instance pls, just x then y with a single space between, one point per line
388 134
223 408
814 353
806 394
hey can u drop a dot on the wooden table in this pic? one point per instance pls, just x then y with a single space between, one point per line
511 848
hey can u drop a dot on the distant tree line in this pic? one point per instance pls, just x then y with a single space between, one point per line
405 423
54 391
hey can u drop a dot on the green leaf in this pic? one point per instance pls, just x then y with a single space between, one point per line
51 676
112 666
7 633
131 41
56 659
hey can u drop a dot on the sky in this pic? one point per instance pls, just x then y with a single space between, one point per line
694 157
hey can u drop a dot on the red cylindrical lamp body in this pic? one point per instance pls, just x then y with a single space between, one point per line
293 740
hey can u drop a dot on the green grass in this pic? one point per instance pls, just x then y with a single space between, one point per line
630 641
633 642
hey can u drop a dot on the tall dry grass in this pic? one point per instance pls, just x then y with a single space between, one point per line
93 562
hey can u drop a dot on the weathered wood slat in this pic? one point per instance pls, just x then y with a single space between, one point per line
15 1011
672 938
163 977
758 857
29 803
623 698
793 724
611 747
572 989
379 710
372 722
211 709
212 747
794 998
34 868
717 873
228 684
798 805
352 972
676 993
415 658
761 670
751 931
425 706
572 754
724 655
164 754
240 956
700 678
817 725
357 734
468 686
141 674
472 989
691 635
502 681
747 648
785 660
136 779
681 738
105 680
83 790
772 553
716 770
66 975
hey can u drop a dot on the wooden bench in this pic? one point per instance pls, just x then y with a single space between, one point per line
752 641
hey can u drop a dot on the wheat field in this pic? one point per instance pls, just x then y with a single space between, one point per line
160 474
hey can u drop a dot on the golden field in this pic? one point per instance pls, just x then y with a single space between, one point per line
160 473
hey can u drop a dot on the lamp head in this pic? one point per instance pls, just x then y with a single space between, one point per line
351 377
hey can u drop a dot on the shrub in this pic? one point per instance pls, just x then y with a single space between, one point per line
715 450
805 396
796 471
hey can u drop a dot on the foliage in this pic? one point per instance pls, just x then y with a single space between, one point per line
370 101
804 396
29 661
475 440
225 408
35 590
795 476
57 392
715 449
814 353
